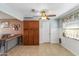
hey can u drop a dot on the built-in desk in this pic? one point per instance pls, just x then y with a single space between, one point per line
9 42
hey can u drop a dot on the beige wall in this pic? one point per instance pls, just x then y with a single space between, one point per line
10 30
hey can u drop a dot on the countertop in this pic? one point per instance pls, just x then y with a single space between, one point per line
10 37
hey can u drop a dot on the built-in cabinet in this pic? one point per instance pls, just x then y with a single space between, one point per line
31 32
71 25
69 30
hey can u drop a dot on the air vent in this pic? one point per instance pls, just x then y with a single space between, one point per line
28 17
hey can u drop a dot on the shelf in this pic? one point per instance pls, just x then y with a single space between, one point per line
72 38
70 28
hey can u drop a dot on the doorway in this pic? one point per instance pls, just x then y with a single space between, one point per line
45 31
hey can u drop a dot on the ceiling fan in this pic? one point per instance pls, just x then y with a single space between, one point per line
43 14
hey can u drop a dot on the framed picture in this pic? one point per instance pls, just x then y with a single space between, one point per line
16 27
4 24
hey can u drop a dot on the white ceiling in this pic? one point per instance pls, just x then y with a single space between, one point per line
5 16
24 9
55 8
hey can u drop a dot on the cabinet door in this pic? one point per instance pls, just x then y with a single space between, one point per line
32 24
30 39
36 37
26 37
26 25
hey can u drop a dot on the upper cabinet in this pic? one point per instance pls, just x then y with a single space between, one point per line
76 15
71 25
71 19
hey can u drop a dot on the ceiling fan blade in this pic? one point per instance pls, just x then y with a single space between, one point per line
51 15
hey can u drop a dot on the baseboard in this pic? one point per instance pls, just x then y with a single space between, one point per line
48 43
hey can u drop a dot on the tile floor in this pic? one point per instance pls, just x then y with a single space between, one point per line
41 50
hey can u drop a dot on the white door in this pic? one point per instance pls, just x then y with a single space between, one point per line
44 31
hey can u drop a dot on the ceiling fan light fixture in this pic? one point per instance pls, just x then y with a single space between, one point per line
43 17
